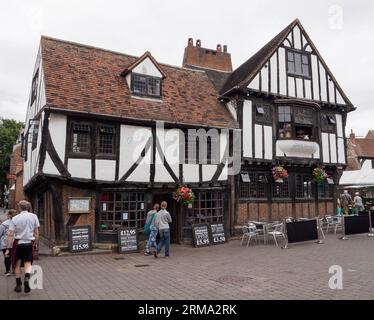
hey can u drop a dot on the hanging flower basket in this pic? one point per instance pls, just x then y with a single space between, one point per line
319 175
185 196
279 173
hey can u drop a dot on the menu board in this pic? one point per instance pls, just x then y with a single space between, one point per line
201 236
79 205
128 240
80 239
217 233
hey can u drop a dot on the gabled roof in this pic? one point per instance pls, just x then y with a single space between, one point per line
146 55
245 73
88 79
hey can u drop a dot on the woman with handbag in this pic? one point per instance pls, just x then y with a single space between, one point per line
151 230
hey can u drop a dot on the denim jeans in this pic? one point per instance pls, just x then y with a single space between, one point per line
164 238
151 239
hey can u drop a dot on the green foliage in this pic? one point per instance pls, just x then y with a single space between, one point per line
9 131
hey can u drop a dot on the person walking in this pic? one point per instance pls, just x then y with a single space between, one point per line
24 230
4 231
345 202
357 200
151 229
163 219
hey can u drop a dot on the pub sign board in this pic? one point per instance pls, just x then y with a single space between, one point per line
201 235
80 239
218 235
128 240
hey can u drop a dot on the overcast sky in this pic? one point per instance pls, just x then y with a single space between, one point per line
342 31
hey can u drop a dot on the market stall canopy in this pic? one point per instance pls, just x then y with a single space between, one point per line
357 178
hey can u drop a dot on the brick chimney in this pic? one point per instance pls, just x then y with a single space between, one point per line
352 136
207 58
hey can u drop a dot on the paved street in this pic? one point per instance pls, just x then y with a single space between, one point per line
222 272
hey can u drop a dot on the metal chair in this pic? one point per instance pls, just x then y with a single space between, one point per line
335 222
249 232
277 231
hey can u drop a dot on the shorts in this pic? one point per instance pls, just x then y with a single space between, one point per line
24 252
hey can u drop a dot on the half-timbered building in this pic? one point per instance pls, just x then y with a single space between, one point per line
108 127
292 112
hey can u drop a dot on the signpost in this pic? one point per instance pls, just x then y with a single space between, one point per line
218 234
80 239
201 235
128 240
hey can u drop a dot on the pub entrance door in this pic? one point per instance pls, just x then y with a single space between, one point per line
173 208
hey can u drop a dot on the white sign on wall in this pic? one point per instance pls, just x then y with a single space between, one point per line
79 205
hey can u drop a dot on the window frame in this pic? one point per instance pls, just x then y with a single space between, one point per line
93 142
289 191
146 94
265 118
326 126
34 87
253 185
119 202
102 155
311 191
302 53
293 124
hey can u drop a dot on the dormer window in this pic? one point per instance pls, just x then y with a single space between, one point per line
146 85
298 64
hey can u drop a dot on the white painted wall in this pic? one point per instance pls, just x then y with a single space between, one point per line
105 170
132 142
247 129
258 142
325 147
208 172
80 168
49 167
147 67
341 151
143 171
339 125
282 71
333 149
268 135
57 129
191 173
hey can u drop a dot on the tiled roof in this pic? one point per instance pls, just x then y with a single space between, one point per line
363 147
88 79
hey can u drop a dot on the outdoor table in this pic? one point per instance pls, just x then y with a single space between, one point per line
264 226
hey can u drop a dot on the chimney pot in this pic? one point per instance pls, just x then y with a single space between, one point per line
190 41
225 48
198 43
219 48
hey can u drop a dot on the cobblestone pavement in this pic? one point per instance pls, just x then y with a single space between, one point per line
227 271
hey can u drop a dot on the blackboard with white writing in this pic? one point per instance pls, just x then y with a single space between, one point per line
80 238
201 235
217 233
128 241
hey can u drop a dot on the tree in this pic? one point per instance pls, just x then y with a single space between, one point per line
9 131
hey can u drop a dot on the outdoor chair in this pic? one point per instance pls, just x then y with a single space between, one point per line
249 232
277 231
333 222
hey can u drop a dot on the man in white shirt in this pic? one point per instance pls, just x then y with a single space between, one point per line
24 230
